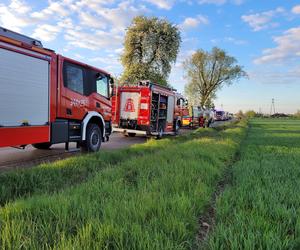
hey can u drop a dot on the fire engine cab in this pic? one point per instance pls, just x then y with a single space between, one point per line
46 98
146 108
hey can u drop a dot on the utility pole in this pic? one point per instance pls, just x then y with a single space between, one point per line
272 111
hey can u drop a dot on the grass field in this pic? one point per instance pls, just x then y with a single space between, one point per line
261 209
146 197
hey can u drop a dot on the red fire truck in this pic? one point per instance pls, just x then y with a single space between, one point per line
147 109
46 98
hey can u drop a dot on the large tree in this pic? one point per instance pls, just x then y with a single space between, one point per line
207 72
151 46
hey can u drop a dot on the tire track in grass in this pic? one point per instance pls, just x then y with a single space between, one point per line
260 210
206 220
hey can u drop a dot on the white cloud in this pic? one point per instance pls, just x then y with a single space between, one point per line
97 40
287 48
221 2
19 6
57 9
14 16
217 2
90 4
296 9
276 76
66 23
162 4
91 20
263 20
235 41
193 22
119 18
46 32
229 40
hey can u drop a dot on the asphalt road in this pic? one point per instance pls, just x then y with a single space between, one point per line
12 158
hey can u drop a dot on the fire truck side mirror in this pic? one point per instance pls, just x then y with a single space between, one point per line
111 86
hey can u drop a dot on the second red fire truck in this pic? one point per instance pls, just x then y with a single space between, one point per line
147 109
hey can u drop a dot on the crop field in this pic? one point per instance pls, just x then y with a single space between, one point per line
146 197
261 209
151 196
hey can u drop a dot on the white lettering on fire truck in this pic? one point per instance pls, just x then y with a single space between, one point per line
78 103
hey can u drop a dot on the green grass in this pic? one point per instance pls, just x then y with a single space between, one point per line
261 210
53 177
148 198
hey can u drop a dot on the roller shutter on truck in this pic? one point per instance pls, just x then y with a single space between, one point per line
24 89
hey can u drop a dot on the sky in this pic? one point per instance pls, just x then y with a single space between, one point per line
263 35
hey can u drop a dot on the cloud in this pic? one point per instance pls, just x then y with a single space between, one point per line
57 9
90 20
19 6
162 4
120 17
287 48
217 2
221 2
296 9
263 20
90 4
235 41
97 40
276 76
46 32
193 22
229 40
14 16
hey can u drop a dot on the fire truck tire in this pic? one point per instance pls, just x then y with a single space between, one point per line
93 138
177 127
44 145
160 132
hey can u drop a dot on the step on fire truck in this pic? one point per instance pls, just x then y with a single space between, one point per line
147 109
46 98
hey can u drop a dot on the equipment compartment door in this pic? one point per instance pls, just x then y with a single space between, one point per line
24 89
171 105
130 105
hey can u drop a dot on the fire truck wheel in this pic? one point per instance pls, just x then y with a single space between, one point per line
93 138
45 145
160 132
177 127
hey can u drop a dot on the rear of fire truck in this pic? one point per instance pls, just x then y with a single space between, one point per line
146 109
131 107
